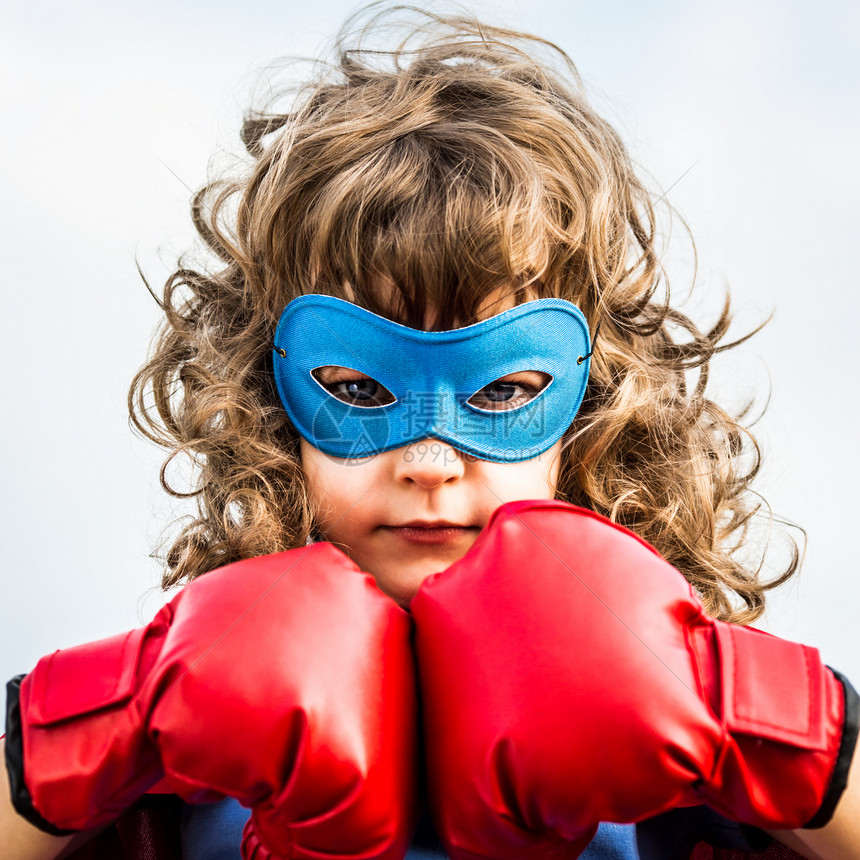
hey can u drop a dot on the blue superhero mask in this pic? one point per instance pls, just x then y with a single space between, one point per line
430 384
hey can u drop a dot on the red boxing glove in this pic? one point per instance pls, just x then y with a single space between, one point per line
570 676
286 682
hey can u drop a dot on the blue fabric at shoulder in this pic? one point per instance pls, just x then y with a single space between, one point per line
213 831
613 842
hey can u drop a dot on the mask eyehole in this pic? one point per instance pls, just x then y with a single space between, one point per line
352 386
511 391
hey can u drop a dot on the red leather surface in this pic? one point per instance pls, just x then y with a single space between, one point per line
754 702
78 680
569 676
285 681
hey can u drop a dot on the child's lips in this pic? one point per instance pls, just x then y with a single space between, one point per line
431 532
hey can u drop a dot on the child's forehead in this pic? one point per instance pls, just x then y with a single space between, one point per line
390 303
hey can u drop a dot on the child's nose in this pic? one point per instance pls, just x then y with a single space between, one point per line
429 463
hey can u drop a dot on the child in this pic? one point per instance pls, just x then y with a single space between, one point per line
435 296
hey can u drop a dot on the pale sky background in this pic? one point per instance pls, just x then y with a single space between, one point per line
753 104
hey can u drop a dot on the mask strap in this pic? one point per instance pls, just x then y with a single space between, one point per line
593 342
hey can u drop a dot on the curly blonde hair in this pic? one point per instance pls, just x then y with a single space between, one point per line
449 165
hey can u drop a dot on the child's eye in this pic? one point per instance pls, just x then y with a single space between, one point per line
352 386
511 391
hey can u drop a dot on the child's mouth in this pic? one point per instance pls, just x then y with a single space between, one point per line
430 533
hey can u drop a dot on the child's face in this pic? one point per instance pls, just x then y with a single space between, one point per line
362 504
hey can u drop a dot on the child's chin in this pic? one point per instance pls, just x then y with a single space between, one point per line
403 584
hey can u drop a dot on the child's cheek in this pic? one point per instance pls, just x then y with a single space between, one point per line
529 479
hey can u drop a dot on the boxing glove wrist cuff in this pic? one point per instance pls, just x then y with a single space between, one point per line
839 780
18 792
